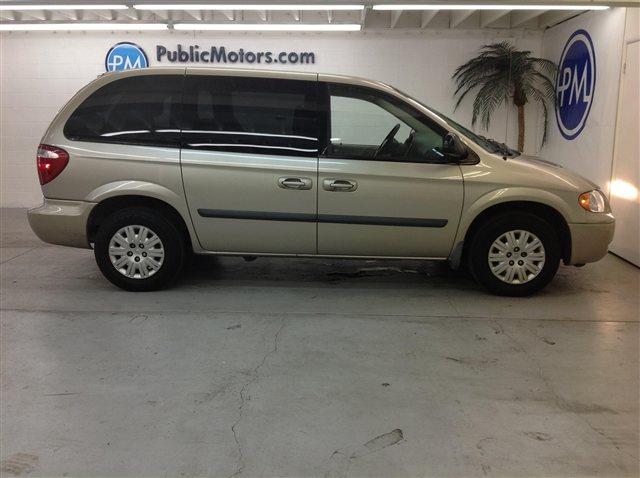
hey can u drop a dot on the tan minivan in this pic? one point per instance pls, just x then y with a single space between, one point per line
147 166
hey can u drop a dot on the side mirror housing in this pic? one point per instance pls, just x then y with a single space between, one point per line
453 148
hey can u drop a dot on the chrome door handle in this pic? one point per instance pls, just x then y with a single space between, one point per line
340 185
294 183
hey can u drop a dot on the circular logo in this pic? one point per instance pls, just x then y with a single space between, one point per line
575 84
125 56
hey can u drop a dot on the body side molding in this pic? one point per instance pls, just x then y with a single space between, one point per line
323 218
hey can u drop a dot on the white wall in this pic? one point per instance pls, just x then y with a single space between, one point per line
591 153
39 72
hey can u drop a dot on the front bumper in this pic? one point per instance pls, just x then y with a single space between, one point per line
590 242
61 222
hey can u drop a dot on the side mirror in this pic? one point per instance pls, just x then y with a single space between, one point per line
453 148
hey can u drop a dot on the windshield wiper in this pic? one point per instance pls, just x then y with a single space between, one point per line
501 147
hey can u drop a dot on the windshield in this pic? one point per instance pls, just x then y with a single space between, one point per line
490 145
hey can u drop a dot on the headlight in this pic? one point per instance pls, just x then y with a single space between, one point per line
593 201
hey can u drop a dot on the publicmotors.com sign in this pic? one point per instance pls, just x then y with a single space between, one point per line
221 54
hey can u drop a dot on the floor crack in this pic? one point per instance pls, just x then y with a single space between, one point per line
610 439
21 254
562 403
255 375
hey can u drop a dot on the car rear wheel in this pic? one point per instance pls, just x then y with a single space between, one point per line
514 254
139 249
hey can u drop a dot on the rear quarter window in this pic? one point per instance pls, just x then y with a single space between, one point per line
139 110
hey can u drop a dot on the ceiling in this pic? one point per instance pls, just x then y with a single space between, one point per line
383 15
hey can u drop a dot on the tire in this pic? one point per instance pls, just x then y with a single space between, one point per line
522 272
157 265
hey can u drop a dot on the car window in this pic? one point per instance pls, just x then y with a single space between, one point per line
367 124
485 144
356 121
250 115
139 110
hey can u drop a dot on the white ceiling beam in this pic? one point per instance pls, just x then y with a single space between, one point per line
68 14
459 16
395 16
427 17
552 18
229 14
130 13
523 16
74 15
104 14
161 14
489 17
39 14
196 14
31 14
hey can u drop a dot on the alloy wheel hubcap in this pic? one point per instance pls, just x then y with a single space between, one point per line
136 252
516 257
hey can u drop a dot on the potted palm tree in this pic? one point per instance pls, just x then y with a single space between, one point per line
503 74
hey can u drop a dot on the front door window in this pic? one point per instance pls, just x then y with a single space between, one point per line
371 125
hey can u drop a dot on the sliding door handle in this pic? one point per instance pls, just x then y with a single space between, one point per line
294 183
339 185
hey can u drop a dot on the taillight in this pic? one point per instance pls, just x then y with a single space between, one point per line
51 161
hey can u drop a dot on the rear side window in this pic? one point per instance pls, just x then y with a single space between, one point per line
251 115
141 110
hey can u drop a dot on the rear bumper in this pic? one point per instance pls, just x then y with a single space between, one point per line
61 222
590 242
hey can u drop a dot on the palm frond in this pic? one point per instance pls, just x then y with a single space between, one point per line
474 83
500 72
547 86
545 66
489 97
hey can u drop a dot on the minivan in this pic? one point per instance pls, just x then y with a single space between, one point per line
152 165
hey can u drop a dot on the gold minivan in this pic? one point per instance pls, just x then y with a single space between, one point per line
147 166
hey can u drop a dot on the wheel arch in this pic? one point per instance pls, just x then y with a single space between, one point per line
545 211
115 203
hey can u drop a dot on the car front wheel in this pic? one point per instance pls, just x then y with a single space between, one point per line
514 254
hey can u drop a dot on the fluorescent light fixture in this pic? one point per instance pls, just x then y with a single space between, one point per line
63 7
25 27
271 6
472 6
270 27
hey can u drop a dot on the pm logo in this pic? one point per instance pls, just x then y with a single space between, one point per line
125 56
575 84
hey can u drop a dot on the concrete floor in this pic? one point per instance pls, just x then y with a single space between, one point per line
287 367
